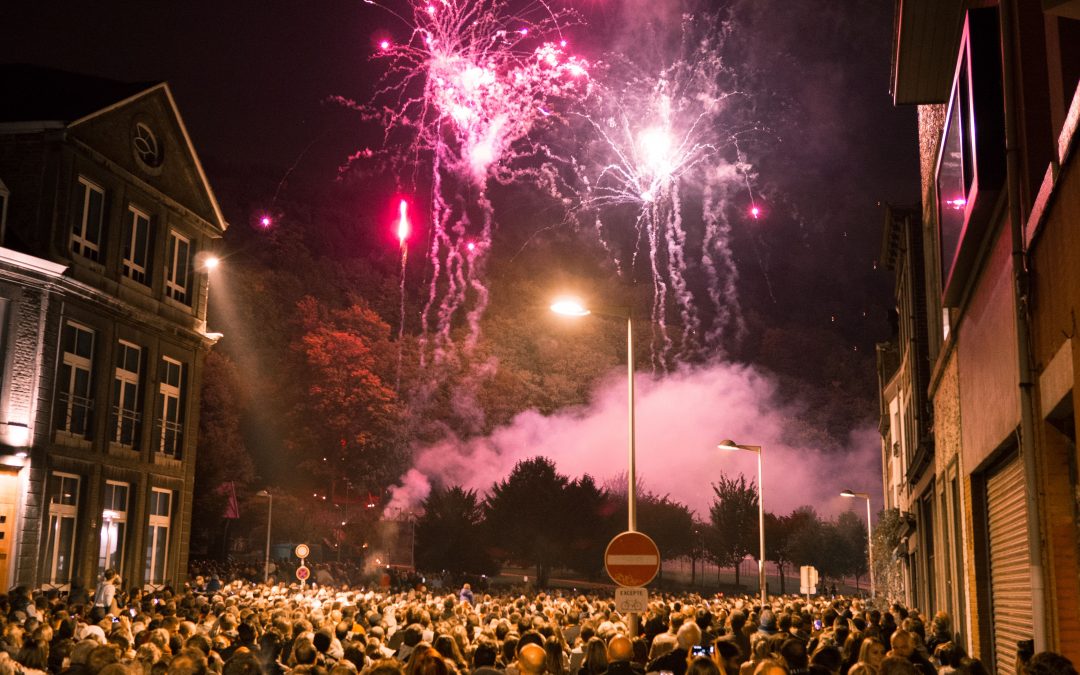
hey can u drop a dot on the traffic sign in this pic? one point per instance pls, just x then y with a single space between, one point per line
808 578
631 600
632 559
303 572
302 551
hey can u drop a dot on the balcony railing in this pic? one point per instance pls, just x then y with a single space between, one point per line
75 414
170 437
126 425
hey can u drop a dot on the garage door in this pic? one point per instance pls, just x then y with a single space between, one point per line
1010 574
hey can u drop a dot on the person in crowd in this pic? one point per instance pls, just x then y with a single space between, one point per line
1049 663
871 654
620 657
595 661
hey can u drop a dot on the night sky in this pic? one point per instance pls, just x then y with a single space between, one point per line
252 81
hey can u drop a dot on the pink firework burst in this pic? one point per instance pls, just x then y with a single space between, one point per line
459 96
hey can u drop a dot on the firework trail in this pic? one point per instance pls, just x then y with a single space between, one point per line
653 136
470 81
403 228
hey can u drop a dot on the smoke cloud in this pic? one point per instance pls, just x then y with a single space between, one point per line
680 419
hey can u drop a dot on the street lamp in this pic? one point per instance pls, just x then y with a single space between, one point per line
269 523
869 536
573 307
756 449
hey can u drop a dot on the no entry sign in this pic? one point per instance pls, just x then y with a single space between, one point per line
632 559
302 573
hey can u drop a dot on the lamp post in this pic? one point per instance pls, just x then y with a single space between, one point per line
269 523
756 449
869 536
574 307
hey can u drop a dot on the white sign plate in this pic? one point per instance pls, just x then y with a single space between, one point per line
635 600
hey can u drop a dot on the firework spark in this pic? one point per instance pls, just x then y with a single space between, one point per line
470 81
654 137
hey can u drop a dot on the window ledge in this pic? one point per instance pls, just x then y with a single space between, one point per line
128 282
173 302
126 451
72 440
161 459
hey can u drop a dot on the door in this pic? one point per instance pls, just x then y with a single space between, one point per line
9 491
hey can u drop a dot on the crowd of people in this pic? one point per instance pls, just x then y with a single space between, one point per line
243 627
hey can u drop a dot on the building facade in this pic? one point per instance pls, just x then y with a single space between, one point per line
998 107
107 224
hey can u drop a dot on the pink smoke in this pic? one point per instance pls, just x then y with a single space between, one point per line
680 419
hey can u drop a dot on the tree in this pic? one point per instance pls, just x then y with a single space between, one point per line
527 514
590 524
887 574
449 535
734 519
223 466
851 533
348 422
778 544
805 537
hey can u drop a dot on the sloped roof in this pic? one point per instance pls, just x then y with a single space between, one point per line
38 94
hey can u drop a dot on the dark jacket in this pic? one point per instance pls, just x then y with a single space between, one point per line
673 662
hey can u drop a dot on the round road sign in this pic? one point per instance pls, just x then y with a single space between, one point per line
301 551
303 572
632 559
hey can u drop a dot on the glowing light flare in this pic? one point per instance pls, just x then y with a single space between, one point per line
265 222
957 204
471 246
755 212
657 151
569 307
384 45
403 222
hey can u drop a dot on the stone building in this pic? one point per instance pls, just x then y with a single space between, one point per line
106 226
998 107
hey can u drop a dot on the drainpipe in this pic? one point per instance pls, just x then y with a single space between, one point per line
1007 19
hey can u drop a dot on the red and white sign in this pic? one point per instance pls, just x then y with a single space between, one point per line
303 572
632 559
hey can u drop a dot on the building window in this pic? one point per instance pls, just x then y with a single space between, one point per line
75 407
178 267
63 510
157 535
126 403
971 159
136 245
170 408
114 515
86 230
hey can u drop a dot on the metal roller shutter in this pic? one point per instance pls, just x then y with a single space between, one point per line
1010 575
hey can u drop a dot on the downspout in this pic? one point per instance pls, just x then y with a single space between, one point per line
1007 19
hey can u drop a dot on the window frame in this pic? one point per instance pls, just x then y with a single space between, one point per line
154 522
79 243
59 511
128 265
110 515
976 104
65 394
173 289
122 379
167 391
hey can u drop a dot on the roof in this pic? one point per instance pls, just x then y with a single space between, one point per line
38 94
